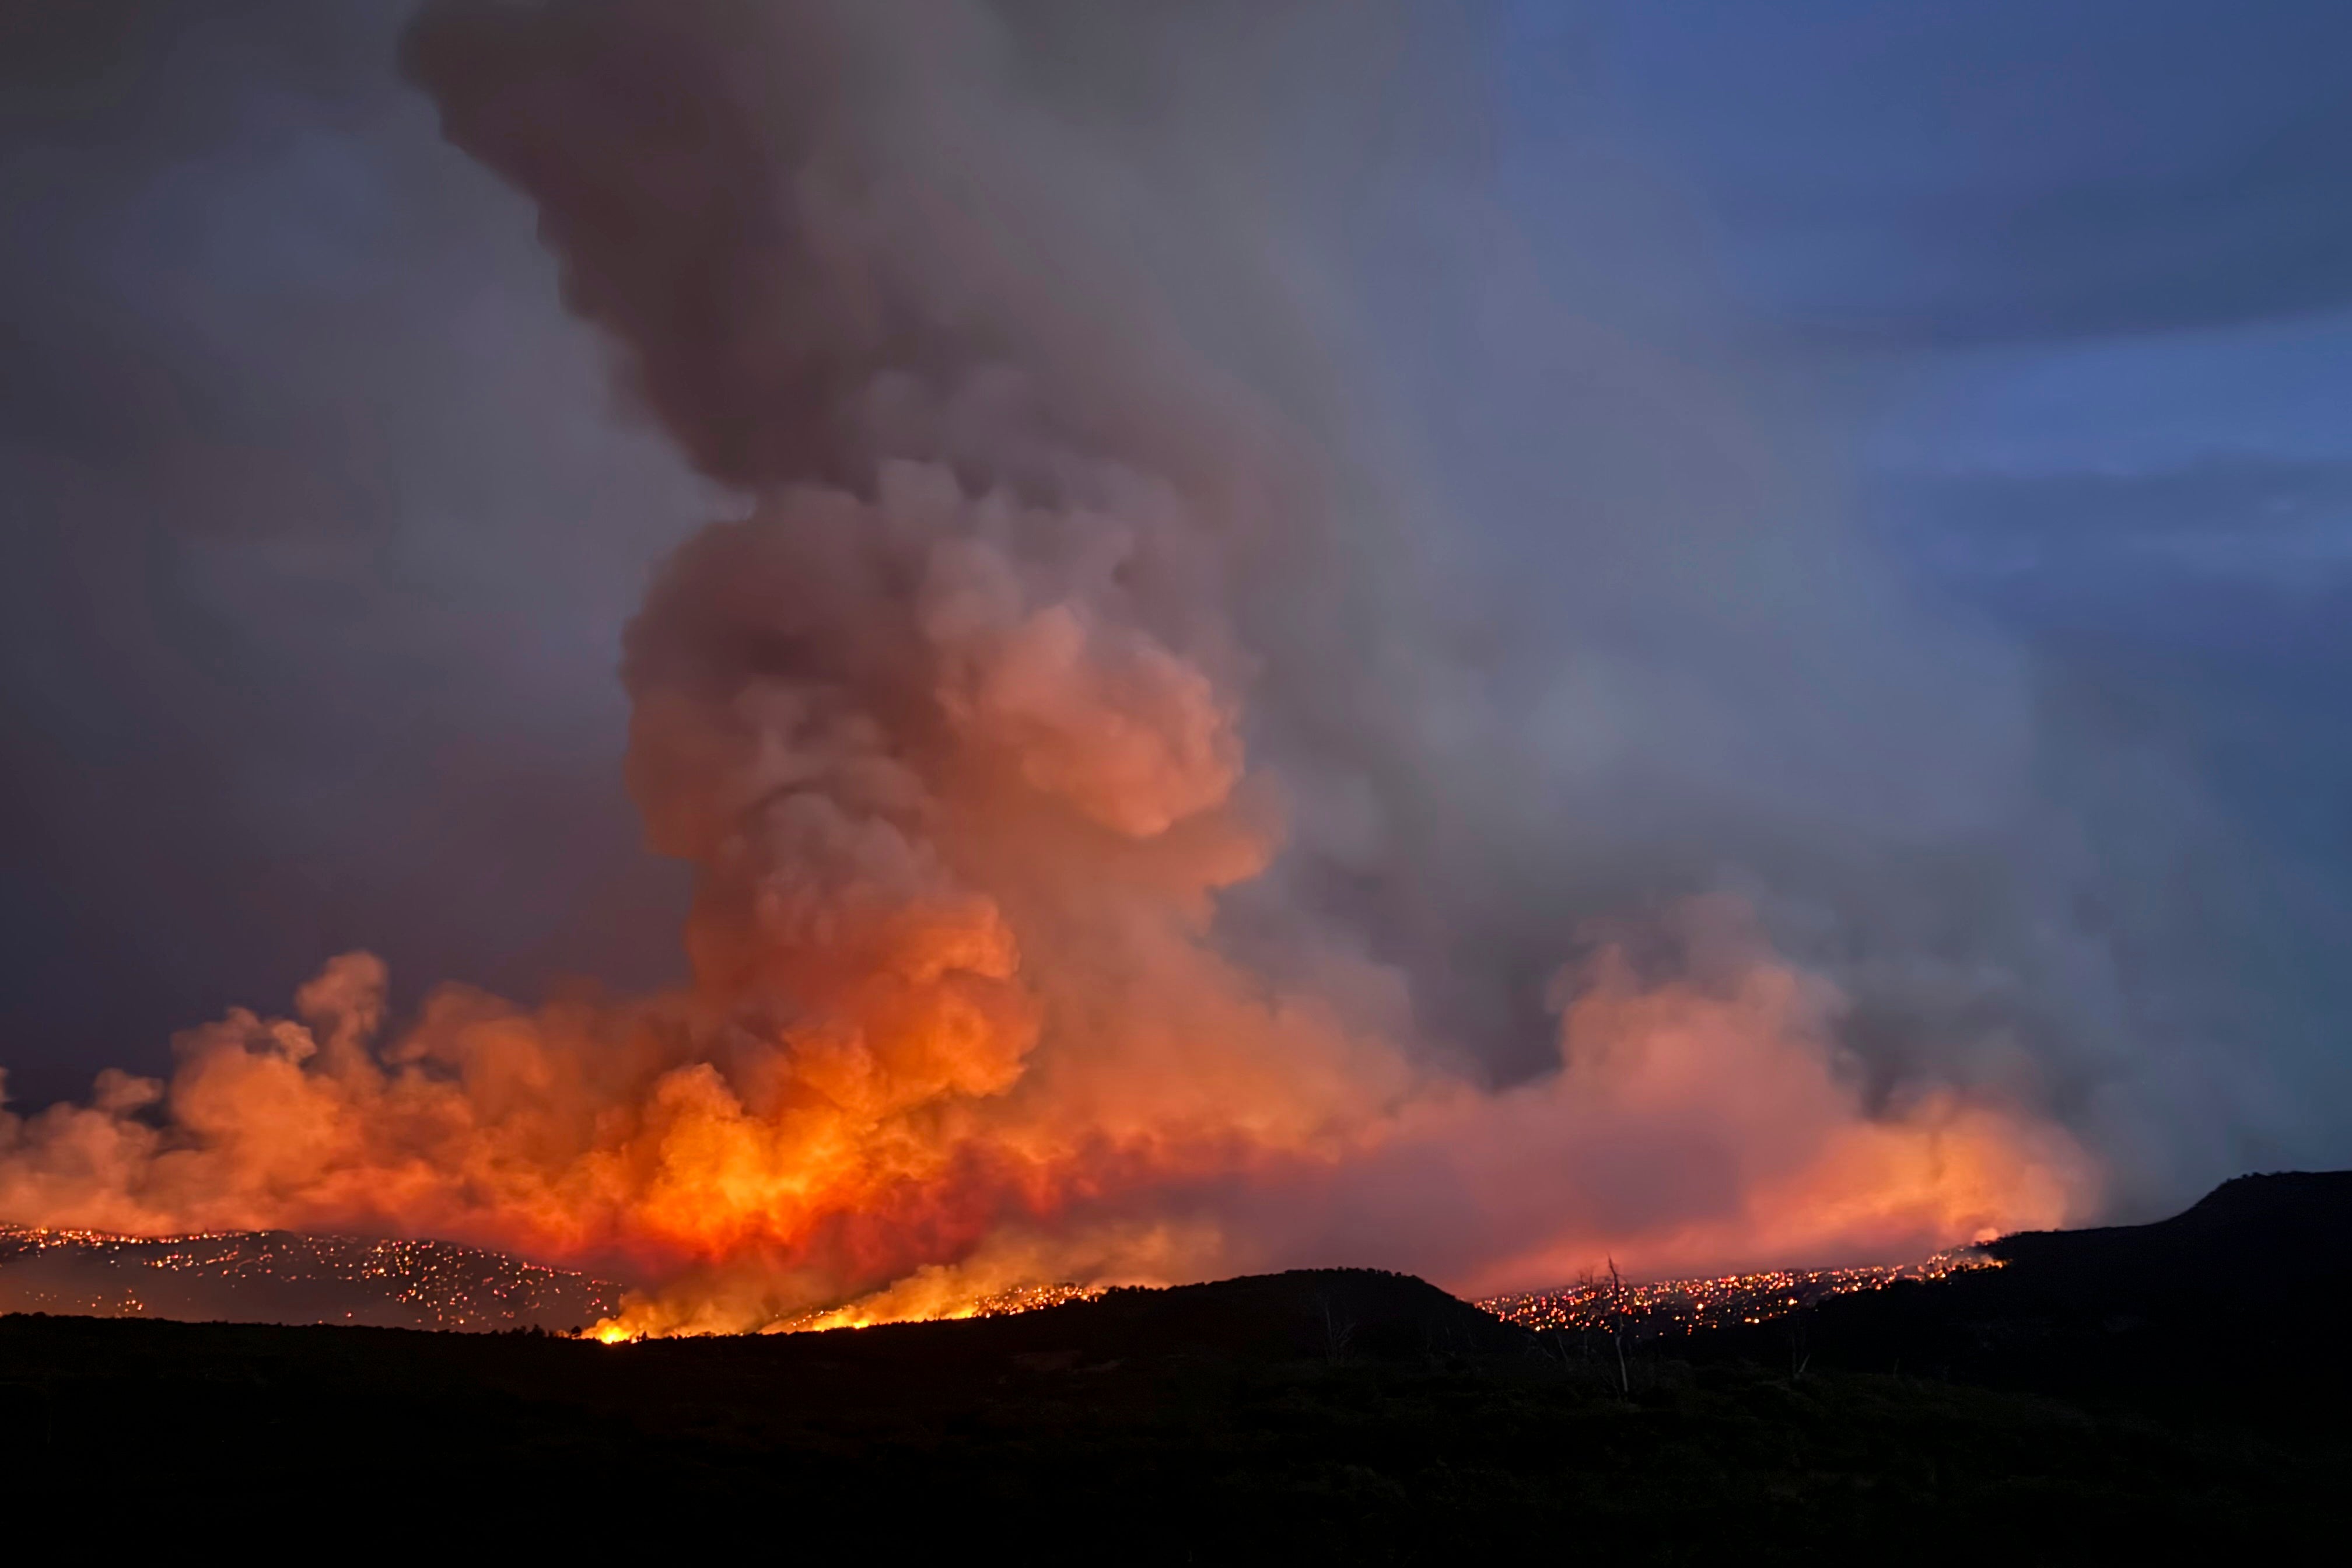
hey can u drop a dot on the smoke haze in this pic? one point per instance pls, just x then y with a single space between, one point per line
1141 824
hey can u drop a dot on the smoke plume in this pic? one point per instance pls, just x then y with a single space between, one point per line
1012 726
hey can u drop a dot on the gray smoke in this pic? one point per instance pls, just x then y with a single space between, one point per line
1031 243
1146 441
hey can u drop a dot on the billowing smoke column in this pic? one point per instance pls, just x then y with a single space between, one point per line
954 721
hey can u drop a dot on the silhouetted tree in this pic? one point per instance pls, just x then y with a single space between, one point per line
1337 1328
1619 1317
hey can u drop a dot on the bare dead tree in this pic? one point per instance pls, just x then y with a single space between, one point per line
1586 1288
1618 1317
1337 1329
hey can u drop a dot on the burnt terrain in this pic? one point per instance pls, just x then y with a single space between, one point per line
2176 1386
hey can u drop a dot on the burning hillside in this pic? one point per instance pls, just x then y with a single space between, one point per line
277 1277
1646 1309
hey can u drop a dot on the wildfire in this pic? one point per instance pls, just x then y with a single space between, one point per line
1661 1306
949 721
275 1277
581 1137
1005 1304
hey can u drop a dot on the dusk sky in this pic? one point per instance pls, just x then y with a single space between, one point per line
1889 462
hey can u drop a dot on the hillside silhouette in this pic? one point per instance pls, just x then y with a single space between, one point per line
1332 1313
2077 1403
2239 1299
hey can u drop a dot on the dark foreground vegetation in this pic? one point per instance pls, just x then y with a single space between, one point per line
1306 1417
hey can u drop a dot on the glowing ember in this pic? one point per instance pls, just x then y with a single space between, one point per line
279 1278
1661 1306
998 1304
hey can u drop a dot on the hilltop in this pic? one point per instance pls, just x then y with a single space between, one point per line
2238 1300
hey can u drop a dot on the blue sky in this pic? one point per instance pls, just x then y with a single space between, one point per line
2088 268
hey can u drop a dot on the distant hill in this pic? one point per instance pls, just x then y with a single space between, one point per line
1327 1415
1305 1314
279 1277
2239 1298
2253 1232
2260 1265
2148 1389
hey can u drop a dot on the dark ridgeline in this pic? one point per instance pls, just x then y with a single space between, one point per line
2166 1388
2240 1299
1333 1314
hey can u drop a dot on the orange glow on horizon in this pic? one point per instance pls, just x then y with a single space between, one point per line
756 1200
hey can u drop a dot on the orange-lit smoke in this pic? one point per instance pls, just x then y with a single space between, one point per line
1693 1126
952 725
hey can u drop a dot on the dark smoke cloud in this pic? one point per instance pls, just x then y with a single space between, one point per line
830 236
1106 512
318 531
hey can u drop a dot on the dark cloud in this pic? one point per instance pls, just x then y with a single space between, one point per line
292 430
2204 613
2187 634
2217 537
2266 234
1954 174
